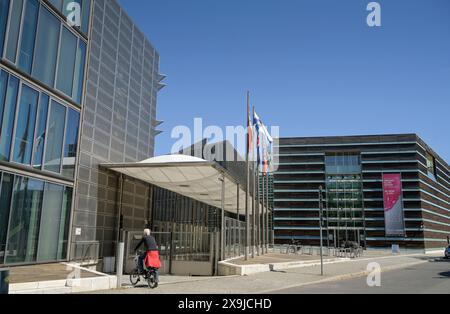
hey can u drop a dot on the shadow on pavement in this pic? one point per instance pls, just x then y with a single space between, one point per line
445 274
432 259
442 275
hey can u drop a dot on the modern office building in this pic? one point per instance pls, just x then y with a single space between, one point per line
77 100
351 171
42 73
71 97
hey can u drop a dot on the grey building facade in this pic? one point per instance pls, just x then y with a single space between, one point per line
350 170
71 97
119 125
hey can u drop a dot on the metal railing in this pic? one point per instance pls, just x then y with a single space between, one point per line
295 249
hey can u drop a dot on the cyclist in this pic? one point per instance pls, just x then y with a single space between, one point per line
150 256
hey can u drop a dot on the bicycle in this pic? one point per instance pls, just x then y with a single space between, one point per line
295 247
149 274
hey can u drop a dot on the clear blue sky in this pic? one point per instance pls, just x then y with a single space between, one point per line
313 67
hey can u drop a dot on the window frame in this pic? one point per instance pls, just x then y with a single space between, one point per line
67 205
52 98
431 166
57 68
38 117
80 36
19 43
6 30
9 211
16 108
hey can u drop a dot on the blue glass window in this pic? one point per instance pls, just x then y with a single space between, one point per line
14 30
343 163
57 4
39 137
55 137
79 72
34 220
49 237
54 223
25 221
5 203
9 113
47 40
4 10
3 87
28 35
65 223
26 121
71 143
66 64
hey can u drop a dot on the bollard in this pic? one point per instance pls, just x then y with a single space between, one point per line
119 263
4 281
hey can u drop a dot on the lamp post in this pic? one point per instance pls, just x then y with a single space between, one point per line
321 228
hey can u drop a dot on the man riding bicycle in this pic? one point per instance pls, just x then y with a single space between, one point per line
151 256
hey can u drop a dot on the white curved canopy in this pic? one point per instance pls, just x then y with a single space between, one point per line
192 177
171 159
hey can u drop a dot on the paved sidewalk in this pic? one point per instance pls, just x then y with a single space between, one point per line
271 282
169 280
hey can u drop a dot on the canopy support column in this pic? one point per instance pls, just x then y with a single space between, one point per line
222 231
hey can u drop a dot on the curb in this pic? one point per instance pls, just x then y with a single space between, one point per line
314 263
65 286
345 277
68 285
227 269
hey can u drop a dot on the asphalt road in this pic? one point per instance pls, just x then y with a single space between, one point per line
429 278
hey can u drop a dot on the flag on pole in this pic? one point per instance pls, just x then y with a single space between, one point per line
264 145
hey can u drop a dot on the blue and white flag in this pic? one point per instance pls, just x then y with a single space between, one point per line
264 145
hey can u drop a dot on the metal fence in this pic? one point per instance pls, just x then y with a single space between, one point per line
234 238
176 246
315 251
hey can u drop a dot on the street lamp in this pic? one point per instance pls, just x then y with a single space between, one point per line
321 228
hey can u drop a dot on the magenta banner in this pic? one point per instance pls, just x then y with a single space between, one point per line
393 204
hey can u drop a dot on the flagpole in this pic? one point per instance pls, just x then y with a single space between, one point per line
253 201
267 212
247 194
258 212
262 196
257 193
263 223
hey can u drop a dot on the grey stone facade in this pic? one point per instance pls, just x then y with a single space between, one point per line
119 121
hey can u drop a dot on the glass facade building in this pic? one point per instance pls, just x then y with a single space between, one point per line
75 91
350 171
344 201
42 70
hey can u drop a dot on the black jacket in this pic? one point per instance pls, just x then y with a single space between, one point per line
149 243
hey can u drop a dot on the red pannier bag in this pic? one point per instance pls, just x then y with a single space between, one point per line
152 260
